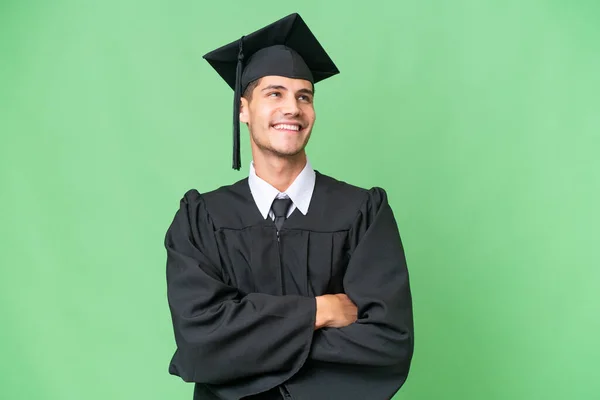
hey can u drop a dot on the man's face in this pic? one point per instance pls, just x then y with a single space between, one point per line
280 115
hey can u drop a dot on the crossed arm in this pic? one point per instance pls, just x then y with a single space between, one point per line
370 324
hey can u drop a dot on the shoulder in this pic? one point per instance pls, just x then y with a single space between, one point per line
226 206
226 193
355 195
342 206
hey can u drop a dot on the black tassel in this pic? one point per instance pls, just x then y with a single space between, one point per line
236 108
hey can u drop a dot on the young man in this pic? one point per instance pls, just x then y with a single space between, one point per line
288 284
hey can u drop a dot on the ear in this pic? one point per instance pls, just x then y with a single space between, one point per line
244 112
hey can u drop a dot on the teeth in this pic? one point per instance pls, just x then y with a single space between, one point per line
287 127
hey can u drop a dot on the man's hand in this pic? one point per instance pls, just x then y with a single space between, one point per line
335 311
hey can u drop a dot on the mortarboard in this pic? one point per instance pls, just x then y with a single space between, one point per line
284 48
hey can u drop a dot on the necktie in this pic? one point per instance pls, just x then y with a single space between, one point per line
280 208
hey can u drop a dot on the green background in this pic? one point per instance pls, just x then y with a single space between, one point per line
480 118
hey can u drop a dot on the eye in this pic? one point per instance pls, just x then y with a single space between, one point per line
305 98
274 94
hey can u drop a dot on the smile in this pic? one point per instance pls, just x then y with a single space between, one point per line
287 127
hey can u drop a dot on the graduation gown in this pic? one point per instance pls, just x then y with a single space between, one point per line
242 297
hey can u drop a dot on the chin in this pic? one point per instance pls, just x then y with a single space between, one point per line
287 147
281 148
287 152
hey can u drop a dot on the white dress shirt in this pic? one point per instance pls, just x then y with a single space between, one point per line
300 191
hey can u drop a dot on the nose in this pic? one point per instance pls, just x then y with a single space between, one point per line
289 107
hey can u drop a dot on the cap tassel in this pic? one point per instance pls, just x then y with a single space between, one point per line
236 108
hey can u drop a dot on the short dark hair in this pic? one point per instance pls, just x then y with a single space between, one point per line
250 88
252 85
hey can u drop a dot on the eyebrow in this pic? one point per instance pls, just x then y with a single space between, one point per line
306 91
283 88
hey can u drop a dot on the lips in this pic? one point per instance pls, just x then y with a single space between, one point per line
288 127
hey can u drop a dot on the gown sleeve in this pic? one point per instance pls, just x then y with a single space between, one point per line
376 280
252 342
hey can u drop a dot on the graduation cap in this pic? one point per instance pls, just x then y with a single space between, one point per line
284 48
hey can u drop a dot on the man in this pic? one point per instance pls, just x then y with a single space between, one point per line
288 284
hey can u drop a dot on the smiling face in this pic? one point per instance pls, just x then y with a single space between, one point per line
280 116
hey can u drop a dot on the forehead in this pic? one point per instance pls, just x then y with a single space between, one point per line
288 83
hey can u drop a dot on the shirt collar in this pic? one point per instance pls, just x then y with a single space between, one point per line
300 191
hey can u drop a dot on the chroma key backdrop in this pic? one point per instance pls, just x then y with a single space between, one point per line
481 119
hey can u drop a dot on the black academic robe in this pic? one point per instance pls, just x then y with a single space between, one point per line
242 298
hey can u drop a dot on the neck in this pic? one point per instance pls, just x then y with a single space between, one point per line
279 172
